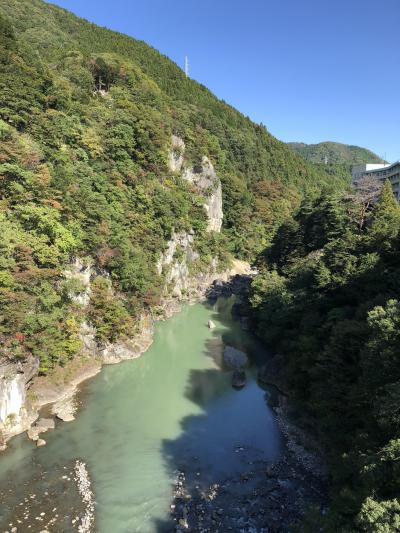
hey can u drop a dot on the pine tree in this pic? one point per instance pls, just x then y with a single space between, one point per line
385 223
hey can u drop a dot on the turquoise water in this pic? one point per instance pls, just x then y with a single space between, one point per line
141 420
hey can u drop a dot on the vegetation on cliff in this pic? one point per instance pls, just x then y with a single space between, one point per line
327 298
86 118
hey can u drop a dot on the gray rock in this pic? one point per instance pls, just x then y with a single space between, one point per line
211 324
234 358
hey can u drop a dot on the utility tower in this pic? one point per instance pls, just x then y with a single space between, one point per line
187 66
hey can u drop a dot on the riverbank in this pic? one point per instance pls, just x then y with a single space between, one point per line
264 497
53 395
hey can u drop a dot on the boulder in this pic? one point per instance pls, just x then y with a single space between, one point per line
238 379
234 358
33 433
65 409
40 443
211 324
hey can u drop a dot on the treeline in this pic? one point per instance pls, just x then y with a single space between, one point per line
327 298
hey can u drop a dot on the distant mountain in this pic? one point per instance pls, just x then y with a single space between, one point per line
335 153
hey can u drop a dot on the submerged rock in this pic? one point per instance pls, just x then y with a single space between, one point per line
238 379
235 358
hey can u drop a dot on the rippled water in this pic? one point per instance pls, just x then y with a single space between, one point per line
143 419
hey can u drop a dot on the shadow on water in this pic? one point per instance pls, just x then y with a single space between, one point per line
206 450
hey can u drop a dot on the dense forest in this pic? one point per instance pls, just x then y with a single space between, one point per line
86 118
327 299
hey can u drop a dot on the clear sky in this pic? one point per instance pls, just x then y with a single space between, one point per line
310 70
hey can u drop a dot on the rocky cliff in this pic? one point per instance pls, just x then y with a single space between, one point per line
204 179
15 414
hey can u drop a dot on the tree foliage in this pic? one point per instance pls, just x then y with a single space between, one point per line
327 297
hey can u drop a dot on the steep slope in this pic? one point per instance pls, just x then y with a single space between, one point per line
116 173
335 153
327 301
244 154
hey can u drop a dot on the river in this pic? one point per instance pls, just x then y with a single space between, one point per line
140 422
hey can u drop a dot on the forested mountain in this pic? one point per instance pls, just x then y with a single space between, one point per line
335 153
327 299
86 121
334 158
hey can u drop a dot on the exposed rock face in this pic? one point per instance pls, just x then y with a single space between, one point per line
175 159
174 263
80 272
205 180
14 380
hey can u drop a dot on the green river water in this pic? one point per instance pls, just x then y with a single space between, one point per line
142 420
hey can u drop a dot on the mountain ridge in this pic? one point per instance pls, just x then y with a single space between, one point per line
335 152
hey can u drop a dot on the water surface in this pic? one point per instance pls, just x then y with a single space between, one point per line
142 420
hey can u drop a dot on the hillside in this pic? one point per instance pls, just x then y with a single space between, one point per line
335 153
110 157
327 301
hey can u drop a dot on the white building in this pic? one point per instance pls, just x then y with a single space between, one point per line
381 171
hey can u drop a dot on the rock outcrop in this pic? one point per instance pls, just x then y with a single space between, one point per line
80 272
176 153
15 414
204 179
208 184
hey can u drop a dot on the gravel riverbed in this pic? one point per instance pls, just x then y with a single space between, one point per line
262 498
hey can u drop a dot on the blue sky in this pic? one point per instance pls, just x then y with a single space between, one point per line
310 70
